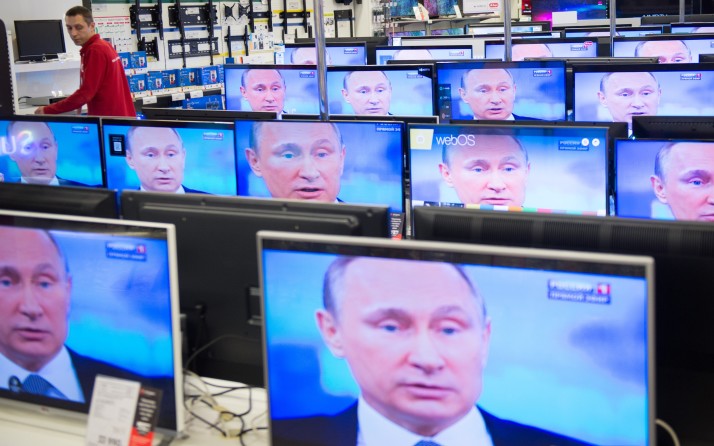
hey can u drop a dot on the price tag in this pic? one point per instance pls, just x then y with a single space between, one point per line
146 100
196 94
112 410
178 97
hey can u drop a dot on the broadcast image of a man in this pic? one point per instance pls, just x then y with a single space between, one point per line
264 89
490 94
629 94
416 337
307 56
535 50
486 169
666 51
415 54
368 92
305 164
36 288
158 156
684 179
33 147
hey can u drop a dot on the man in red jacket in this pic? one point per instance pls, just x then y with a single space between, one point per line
103 85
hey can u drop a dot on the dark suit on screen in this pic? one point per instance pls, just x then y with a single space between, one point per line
341 430
524 118
193 191
63 182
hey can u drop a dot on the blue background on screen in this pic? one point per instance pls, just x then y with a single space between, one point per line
121 309
679 97
301 94
696 47
552 364
339 55
536 97
385 54
558 49
78 153
572 180
372 172
210 164
410 96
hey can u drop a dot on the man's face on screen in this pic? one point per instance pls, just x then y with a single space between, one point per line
299 161
522 50
264 90
666 51
34 297
492 171
368 92
158 157
34 150
489 93
688 183
630 94
413 336
307 56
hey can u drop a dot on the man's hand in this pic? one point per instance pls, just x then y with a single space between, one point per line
40 111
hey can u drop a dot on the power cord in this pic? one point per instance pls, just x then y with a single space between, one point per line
669 430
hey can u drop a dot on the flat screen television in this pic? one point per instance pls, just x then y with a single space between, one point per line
641 90
423 53
621 31
218 270
85 201
480 29
39 40
447 335
684 258
381 90
104 302
170 156
350 53
684 127
372 42
272 88
527 168
585 10
692 28
665 179
407 119
501 90
544 48
53 150
184 114
667 48
435 8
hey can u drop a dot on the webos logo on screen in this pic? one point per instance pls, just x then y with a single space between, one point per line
456 140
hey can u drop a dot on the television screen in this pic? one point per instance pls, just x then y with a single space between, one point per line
272 88
352 53
423 53
86 201
619 92
667 48
565 47
39 40
436 8
86 297
692 28
184 114
427 339
626 31
501 90
585 9
665 179
673 127
54 150
350 162
381 90
529 168
498 28
170 156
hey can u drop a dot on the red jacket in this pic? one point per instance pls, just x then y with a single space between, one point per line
102 83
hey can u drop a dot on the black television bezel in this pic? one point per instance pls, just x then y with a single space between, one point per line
66 200
708 58
681 249
346 118
205 115
93 120
598 45
370 41
545 26
128 122
361 44
470 48
618 28
488 64
661 37
669 19
691 127
416 67
21 35
689 24
213 283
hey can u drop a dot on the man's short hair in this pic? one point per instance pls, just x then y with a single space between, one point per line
467 72
606 77
254 137
446 149
86 13
11 128
332 285
661 159
639 46
133 129
348 75
245 75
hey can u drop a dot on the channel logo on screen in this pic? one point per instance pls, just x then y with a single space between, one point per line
598 293
690 76
307 74
126 251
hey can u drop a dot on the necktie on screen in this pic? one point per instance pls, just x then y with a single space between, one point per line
37 385
427 443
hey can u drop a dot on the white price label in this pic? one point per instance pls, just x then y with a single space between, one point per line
146 100
196 94
178 97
